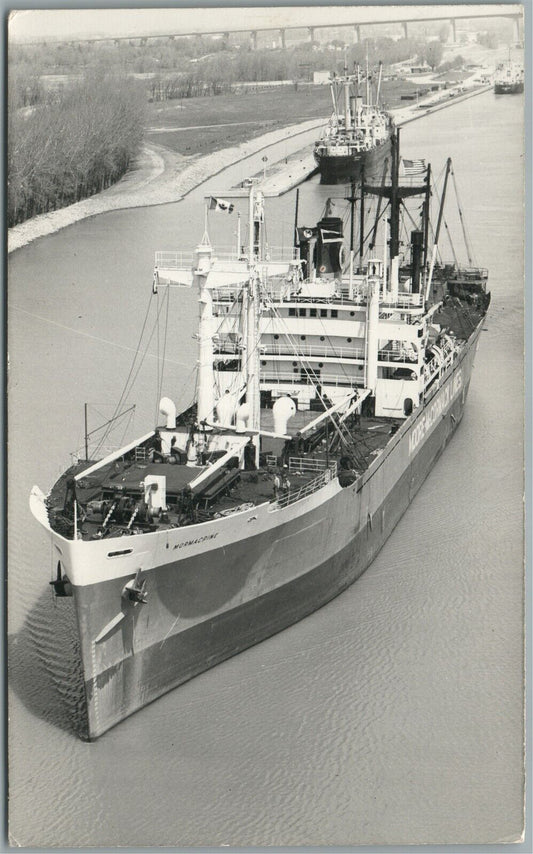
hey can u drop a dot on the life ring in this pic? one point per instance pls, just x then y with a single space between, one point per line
323 268
307 232
342 257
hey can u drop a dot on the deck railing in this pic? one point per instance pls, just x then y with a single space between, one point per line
293 495
179 260
174 260
435 368
311 377
225 347
304 465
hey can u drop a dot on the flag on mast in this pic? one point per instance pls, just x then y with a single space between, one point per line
413 167
220 205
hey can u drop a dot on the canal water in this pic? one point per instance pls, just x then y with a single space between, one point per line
393 714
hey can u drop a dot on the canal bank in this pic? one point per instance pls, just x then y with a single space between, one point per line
161 176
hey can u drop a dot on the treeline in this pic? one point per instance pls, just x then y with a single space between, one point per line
223 72
190 67
138 56
75 142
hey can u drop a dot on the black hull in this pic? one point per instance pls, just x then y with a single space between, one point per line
344 169
508 88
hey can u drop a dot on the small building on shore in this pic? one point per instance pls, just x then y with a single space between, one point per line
321 77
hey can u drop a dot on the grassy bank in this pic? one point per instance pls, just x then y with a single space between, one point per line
207 124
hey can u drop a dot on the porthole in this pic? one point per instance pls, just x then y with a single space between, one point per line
276 337
349 340
322 338
302 337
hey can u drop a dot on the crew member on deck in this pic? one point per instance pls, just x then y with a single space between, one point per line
157 456
174 452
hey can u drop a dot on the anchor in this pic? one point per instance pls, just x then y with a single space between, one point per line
61 584
135 590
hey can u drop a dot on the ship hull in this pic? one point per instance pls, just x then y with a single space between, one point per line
508 88
207 607
342 169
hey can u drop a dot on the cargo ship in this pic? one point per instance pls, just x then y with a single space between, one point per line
356 139
509 79
330 378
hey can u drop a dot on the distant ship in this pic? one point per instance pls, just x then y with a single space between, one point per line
357 137
329 380
509 79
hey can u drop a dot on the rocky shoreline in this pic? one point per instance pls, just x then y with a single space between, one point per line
160 176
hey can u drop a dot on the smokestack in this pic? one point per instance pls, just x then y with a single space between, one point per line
329 245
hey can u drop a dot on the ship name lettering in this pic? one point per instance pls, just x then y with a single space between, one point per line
196 541
437 408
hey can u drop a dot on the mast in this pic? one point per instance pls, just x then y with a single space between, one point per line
333 94
426 216
362 218
395 200
238 235
86 436
395 193
347 114
201 270
367 80
372 333
252 320
296 241
352 213
439 223
379 81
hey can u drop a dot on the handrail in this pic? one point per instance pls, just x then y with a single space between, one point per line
322 379
326 351
435 368
307 464
307 489
175 260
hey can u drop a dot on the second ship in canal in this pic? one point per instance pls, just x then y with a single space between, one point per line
357 136
509 79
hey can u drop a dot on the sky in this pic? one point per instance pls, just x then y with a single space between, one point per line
38 24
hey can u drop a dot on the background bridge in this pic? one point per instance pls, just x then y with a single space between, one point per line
303 23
